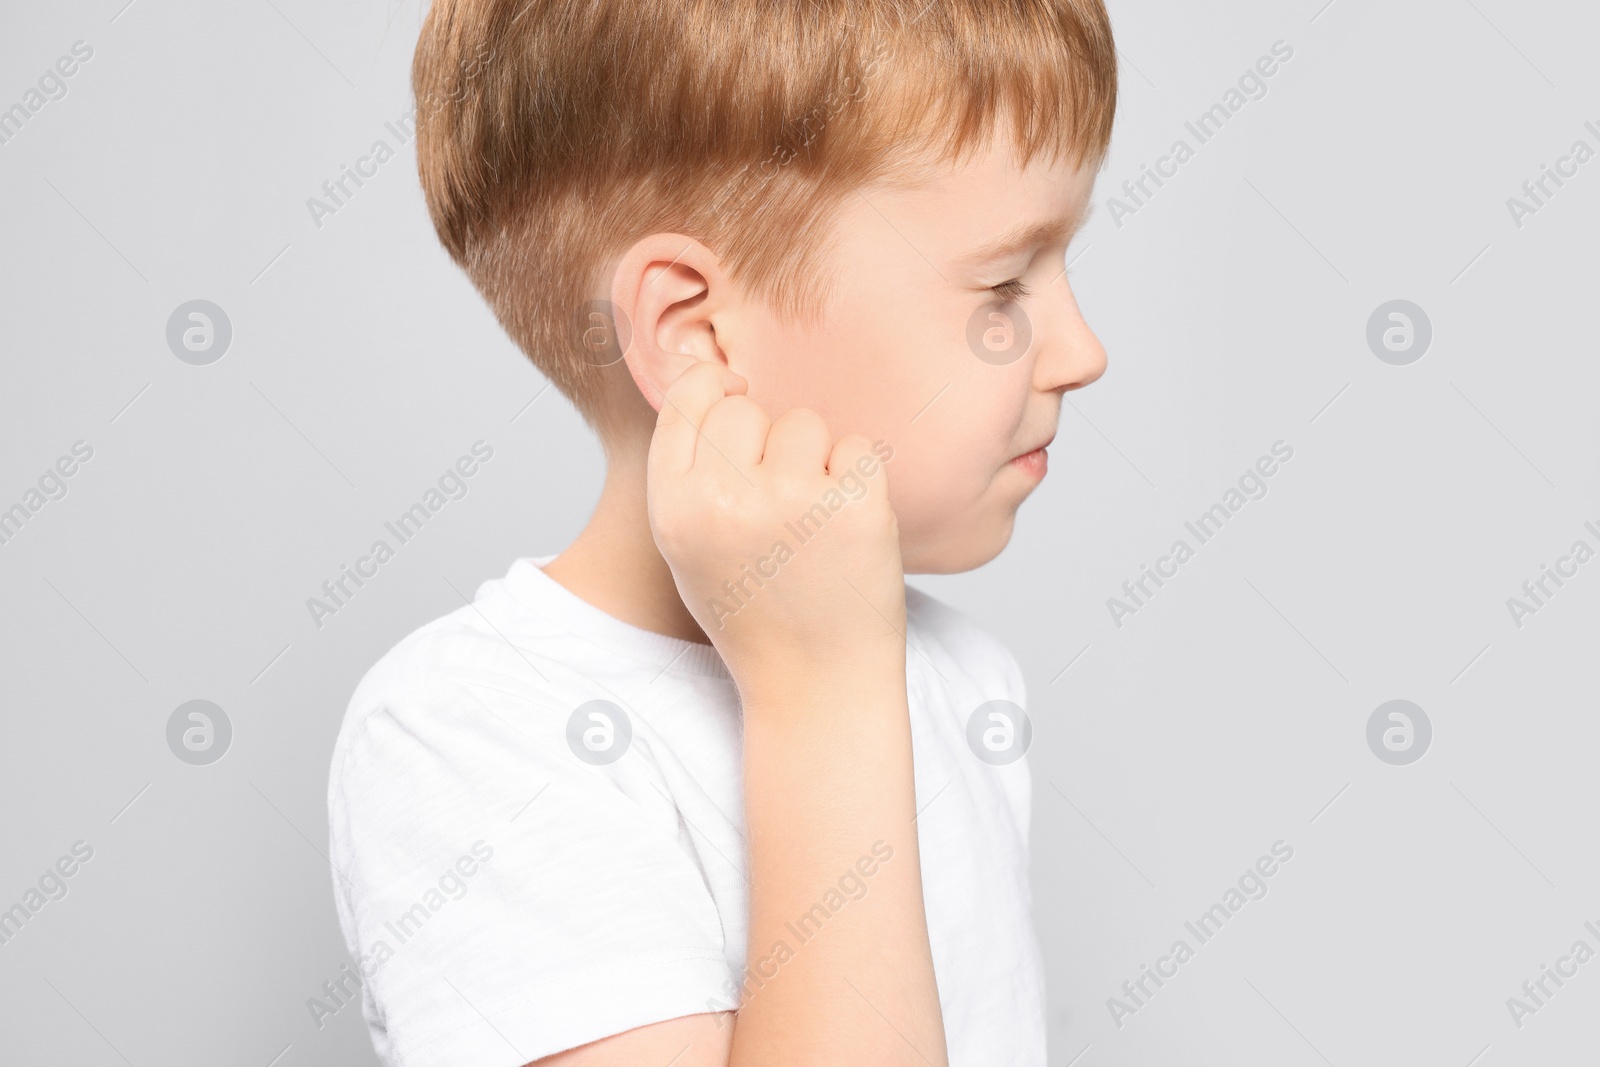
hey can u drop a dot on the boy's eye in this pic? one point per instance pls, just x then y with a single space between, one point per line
1011 290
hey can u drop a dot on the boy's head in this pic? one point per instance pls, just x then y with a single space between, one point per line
813 192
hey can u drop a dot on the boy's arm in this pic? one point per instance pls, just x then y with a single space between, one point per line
818 653
828 762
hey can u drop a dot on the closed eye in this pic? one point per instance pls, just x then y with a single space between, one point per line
1014 289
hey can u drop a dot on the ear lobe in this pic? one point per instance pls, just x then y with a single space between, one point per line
645 367
667 285
652 396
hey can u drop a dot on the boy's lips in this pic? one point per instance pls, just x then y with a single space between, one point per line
1040 447
1035 461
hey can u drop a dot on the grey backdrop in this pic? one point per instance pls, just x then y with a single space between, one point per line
1230 712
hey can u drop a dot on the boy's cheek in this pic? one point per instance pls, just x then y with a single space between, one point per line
923 495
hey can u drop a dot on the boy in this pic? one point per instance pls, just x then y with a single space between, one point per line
713 786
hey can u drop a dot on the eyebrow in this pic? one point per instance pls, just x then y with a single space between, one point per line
1024 237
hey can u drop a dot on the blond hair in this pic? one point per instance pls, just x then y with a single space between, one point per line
552 134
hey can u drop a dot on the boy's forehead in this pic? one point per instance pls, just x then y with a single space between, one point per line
989 204
994 162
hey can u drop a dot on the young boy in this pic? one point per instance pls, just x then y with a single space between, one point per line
713 786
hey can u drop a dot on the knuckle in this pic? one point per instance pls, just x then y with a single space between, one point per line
855 442
668 531
805 418
725 507
742 408
791 490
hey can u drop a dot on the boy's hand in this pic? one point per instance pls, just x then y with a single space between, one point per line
782 542
786 551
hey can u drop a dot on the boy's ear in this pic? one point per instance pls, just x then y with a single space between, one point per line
670 288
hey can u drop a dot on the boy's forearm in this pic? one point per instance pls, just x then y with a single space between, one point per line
839 968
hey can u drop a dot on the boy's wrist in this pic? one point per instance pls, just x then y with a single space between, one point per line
821 688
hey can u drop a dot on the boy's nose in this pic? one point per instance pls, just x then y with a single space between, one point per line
1071 356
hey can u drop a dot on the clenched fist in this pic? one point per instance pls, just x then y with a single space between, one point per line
781 541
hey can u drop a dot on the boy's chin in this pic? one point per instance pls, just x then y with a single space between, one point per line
956 549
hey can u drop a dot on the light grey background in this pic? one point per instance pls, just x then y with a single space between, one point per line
1228 714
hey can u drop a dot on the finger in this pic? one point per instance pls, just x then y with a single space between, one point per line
736 429
798 443
854 453
683 410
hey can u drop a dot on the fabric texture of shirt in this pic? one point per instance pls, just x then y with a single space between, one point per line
519 870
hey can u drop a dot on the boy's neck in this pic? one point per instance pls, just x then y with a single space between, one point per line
614 563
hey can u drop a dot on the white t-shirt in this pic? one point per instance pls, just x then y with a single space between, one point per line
506 893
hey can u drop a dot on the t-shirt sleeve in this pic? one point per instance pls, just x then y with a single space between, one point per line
506 900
